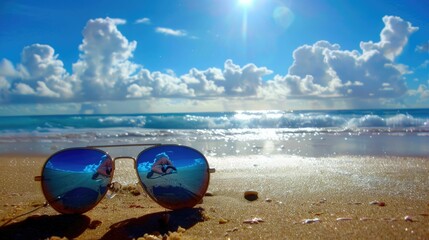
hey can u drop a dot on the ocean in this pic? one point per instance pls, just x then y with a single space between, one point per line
391 132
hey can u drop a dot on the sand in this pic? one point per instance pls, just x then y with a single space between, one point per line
299 198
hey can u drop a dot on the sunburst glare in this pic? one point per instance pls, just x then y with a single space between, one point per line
245 3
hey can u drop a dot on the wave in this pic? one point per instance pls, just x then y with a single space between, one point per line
288 121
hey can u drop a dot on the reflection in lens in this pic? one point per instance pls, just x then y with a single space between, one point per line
174 176
75 180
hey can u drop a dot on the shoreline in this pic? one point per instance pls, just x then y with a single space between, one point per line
343 196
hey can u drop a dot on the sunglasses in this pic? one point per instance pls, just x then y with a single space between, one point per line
74 180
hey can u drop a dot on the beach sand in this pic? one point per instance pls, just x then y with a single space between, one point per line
299 198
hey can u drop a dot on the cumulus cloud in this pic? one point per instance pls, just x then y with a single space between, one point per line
233 80
171 32
105 71
325 70
422 91
40 75
393 37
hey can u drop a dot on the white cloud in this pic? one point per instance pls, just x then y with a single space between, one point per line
105 71
205 83
233 80
243 81
424 64
324 70
423 48
422 91
143 21
23 89
393 37
40 74
171 32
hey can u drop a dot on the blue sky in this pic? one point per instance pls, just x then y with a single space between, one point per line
61 57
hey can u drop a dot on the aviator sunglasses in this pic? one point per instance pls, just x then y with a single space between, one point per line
74 180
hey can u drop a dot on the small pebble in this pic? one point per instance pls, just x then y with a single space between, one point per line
209 194
223 220
268 200
408 219
251 195
135 192
311 220
94 224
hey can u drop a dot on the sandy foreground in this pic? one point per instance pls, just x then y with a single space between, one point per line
299 198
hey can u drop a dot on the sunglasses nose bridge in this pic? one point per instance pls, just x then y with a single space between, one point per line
124 157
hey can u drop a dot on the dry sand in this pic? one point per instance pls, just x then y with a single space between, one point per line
341 197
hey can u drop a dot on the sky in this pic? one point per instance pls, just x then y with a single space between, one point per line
142 56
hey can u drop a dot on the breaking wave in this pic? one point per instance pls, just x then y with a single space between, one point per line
377 120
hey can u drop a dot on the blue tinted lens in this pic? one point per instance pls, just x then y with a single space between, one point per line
75 180
174 176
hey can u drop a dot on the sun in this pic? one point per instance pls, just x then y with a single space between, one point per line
245 3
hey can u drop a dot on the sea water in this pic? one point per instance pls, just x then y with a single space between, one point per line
403 132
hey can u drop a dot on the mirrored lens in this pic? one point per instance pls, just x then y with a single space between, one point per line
75 180
174 176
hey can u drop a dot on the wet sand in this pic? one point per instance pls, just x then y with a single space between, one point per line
299 198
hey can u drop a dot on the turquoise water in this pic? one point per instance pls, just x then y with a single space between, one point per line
403 132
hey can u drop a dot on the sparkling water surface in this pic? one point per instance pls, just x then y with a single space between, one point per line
402 132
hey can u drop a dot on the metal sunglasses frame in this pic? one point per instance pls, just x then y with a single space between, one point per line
100 147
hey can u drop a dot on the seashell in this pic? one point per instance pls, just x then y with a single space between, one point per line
408 219
381 204
232 230
310 220
254 220
223 220
251 195
268 200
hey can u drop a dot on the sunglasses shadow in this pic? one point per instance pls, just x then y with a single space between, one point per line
43 227
154 224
